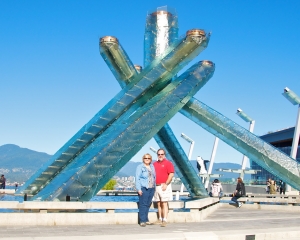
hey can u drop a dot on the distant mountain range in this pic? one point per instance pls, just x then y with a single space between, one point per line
130 167
19 164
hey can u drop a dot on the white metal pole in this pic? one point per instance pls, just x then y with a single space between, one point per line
189 157
212 160
295 143
191 150
296 136
245 158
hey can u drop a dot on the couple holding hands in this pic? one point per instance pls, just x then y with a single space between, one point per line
154 180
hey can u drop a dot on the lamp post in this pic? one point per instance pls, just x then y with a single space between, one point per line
295 100
192 142
246 118
212 160
153 150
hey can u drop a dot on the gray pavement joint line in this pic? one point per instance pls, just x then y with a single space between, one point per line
275 233
249 219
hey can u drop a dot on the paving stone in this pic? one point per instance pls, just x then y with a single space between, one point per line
226 219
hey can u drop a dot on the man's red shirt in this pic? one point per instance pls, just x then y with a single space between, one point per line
163 169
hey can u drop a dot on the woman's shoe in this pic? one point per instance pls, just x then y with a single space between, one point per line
149 223
142 224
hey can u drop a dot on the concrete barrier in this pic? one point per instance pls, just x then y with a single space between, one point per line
293 200
47 213
269 207
7 191
73 206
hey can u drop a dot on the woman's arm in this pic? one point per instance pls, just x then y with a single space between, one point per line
137 179
238 188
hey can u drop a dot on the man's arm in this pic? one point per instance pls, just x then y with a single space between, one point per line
169 180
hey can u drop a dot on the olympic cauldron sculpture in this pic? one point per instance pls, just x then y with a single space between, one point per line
148 100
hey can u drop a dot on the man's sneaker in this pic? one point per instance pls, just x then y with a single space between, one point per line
157 222
142 224
149 223
164 224
240 204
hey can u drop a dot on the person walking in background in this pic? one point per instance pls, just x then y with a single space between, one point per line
216 189
282 187
240 191
273 187
145 186
2 182
164 173
268 186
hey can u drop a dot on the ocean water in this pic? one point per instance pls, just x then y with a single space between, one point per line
7 197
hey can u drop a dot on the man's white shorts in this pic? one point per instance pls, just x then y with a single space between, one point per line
163 196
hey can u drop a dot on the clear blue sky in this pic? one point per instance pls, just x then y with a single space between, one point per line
53 79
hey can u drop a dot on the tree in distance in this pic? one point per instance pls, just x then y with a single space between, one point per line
110 185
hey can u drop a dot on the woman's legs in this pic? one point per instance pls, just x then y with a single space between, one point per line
144 203
149 201
235 199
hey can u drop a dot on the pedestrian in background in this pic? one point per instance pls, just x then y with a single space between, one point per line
240 191
273 187
268 186
216 189
145 186
2 182
282 187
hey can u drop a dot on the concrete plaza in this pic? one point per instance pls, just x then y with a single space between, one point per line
227 222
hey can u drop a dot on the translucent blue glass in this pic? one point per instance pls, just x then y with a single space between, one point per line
139 86
121 66
119 143
259 151
161 31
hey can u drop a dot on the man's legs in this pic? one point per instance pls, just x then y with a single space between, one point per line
159 209
164 210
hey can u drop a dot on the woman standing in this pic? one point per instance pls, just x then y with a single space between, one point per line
240 191
145 186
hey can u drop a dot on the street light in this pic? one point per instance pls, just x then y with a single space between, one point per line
153 150
295 100
243 115
291 96
246 118
212 160
192 142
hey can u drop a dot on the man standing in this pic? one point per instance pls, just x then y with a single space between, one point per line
2 182
164 173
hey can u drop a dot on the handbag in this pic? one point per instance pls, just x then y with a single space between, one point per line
238 194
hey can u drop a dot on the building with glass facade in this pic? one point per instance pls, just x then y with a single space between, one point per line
281 139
